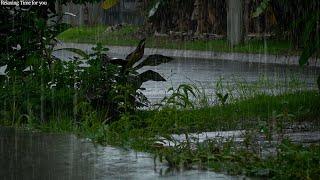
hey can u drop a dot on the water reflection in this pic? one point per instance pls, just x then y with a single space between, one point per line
32 155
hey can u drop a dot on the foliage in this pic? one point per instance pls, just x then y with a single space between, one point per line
291 161
29 32
37 85
303 26
126 36
143 132
180 97
243 114
80 95
108 84
133 62
107 4
261 8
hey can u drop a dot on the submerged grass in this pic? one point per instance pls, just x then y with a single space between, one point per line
125 37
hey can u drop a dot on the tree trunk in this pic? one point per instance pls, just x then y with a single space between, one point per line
235 22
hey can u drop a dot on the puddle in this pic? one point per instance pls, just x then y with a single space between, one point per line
33 155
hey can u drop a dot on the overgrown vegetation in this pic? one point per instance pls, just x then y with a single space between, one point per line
97 96
243 114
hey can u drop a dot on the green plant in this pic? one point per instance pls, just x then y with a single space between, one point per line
303 26
35 83
180 97
222 98
113 84
128 81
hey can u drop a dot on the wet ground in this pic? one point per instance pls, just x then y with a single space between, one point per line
33 155
206 73
27 155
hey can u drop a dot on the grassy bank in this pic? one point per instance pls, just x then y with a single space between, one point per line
245 114
125 37
140 131
256 115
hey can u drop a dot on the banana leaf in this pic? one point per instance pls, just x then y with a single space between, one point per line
150 76
117 61
154 60
146 76
136 55
107 4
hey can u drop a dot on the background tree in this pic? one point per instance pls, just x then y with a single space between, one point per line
235 22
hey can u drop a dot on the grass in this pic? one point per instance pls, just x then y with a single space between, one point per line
244 114
125 37
145 124
140 131
248 107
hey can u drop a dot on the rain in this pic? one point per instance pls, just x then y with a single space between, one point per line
159 89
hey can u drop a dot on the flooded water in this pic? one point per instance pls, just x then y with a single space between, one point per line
206 73
33 155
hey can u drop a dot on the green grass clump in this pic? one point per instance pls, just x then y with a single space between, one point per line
243 114
125 36
140 132
292 161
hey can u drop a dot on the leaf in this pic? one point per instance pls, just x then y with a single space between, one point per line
76 51
107 4
312 46
61 28
33 60
40 23
52 8
219 95
147 76
309 26
150 76
225 97
186 88
117 61
261 8
154 9
136 55
318 82
311 41
154 60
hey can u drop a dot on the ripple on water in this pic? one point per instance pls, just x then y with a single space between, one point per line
33 155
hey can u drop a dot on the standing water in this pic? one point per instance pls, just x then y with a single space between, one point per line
33 155
205 74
